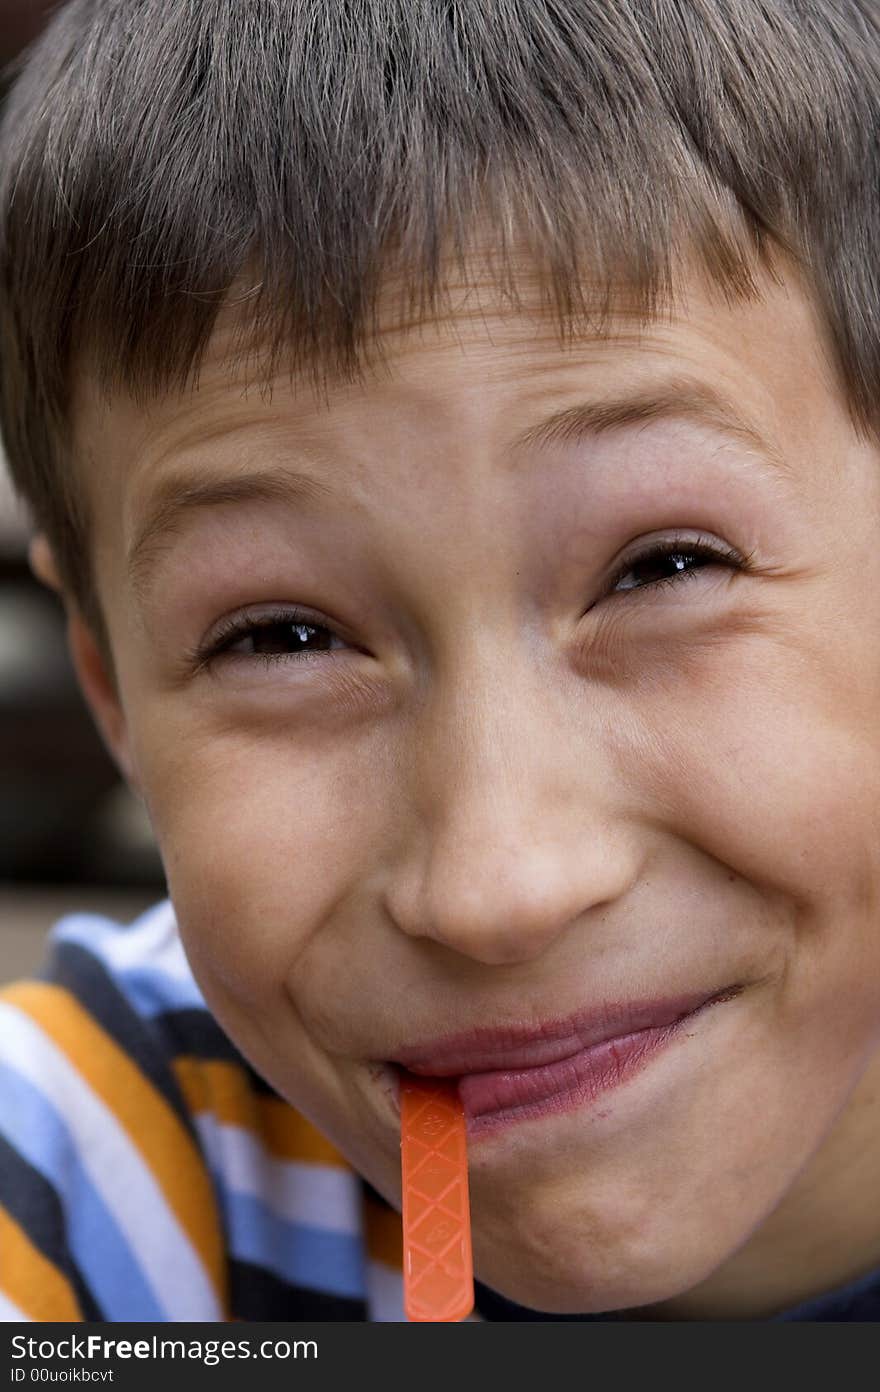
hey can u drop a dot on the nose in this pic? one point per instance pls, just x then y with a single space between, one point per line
511 832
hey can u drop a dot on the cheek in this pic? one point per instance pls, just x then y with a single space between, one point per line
260 841
768 758
777 778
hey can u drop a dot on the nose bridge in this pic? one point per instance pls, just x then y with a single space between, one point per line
510 841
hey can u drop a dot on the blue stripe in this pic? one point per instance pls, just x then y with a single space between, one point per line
33 1128
304 1256
149 990
89 930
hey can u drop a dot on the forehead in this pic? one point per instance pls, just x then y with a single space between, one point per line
478 324
480 369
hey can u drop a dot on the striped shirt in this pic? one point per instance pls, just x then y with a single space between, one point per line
147 1173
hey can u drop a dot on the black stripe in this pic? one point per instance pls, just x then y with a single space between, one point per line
196 1034
374 1196
34 1204
258 1295
86 977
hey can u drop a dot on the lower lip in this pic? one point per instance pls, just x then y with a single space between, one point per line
496 1100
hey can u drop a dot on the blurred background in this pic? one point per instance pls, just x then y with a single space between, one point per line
72 836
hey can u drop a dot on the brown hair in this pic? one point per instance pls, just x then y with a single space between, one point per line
153 150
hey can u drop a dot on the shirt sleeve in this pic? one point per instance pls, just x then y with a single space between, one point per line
107 1207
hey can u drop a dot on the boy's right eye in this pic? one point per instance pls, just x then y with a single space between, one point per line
274 637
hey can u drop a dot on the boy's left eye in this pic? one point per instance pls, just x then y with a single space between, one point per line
675 560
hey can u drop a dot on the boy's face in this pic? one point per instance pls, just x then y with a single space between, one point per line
497 774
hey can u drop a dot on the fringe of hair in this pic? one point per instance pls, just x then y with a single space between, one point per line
158 155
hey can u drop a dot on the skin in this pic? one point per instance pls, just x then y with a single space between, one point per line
513 788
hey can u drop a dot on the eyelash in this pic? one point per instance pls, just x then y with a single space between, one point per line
701 549
242 625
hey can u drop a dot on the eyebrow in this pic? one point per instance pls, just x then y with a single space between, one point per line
179 496
682 397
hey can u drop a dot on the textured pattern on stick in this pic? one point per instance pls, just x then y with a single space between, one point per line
438 1265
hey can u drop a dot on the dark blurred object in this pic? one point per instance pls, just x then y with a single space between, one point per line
21 21
65 814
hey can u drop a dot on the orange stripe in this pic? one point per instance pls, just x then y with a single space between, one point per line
384 1233
30 1280
144 1114
225 1091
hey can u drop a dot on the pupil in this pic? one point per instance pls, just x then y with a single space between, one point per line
658 568
287 637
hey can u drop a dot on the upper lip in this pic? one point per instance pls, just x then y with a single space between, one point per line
532 1045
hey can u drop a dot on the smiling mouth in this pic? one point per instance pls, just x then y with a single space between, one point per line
516 1074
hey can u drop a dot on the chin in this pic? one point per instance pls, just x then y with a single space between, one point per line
579 1292
578 1270
542 1275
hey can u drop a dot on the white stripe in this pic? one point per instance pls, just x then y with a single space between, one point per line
384 1293
151 941
321 1196
117 1170
10 1314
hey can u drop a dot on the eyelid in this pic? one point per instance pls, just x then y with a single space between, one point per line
700 545
238 625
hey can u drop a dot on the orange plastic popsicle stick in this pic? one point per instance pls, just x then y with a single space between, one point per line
438 1274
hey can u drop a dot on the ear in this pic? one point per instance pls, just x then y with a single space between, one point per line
96 682
42 562
99 689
